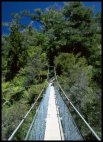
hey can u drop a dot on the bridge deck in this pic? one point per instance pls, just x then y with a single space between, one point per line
52 131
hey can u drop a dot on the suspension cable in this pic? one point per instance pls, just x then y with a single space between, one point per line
15 131
75 108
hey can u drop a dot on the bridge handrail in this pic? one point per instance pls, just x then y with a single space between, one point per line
76 109
32 123
16 129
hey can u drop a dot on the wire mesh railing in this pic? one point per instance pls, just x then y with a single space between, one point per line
22 121
37 128
71 132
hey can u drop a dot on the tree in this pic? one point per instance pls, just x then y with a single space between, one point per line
17 51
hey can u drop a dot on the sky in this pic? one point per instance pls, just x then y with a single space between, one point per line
10 7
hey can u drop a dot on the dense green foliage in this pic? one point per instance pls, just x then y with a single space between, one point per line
83 91
24 70
70 39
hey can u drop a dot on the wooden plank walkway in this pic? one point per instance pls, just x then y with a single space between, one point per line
52 131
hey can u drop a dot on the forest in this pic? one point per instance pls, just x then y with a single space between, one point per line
70 40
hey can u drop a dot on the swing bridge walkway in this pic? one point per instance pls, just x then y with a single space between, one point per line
53 119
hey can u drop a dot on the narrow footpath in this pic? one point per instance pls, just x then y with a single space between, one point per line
52 131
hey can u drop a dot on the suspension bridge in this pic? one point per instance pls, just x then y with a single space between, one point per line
53 119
